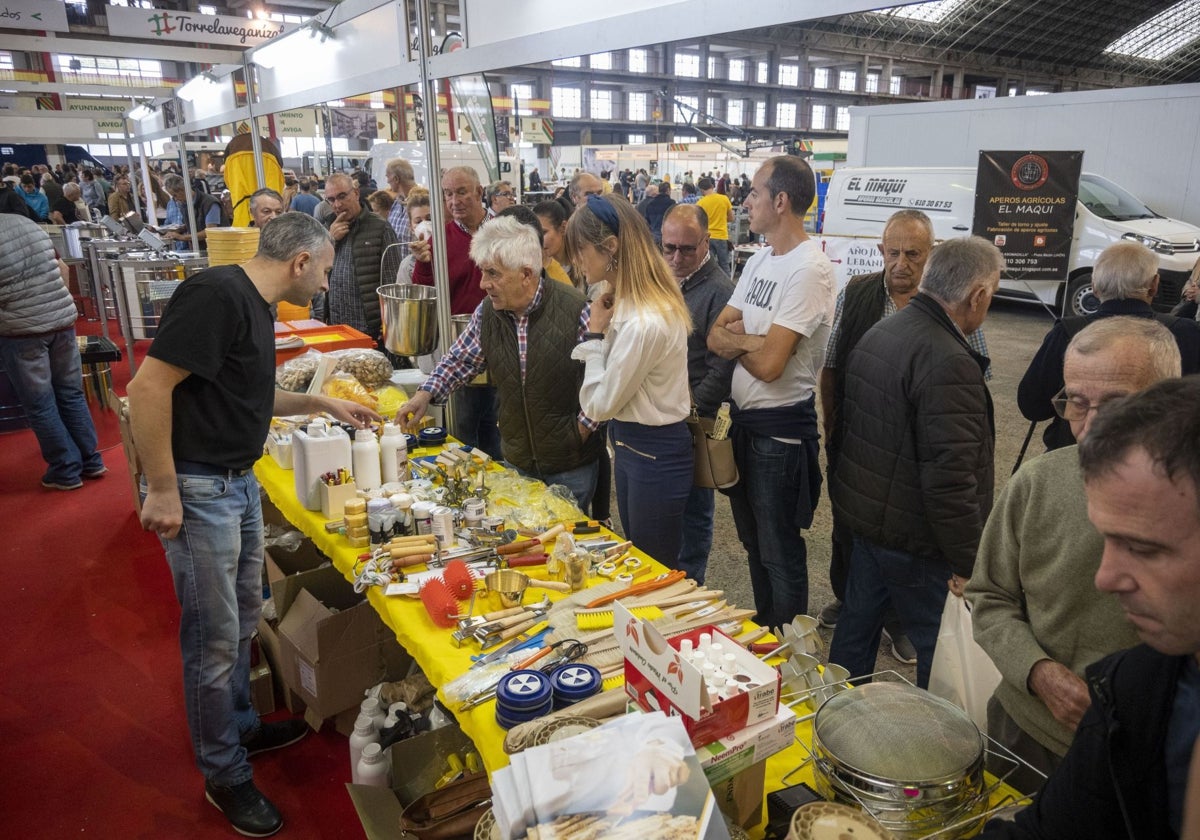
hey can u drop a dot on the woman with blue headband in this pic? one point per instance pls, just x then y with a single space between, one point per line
635 376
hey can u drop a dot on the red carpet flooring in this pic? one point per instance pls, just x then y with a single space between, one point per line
93 739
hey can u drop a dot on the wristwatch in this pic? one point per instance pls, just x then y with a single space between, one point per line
593 336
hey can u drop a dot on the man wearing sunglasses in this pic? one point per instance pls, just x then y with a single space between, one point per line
1035 610
361 241
706 289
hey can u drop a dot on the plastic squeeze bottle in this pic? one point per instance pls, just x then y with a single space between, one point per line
365 453
393 454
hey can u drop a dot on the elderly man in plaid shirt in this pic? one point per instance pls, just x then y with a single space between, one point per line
522 334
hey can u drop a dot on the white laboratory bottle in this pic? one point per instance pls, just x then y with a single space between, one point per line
371 708
372 767
366 460
364 733
393 454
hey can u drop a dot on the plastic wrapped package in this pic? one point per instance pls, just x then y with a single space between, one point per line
296 374
370 367
527 503
344 386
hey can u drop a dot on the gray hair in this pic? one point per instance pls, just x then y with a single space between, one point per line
912 217
508 242
290 234
70 189
573 184
1124 270
495 188
254 196
956 265
1156 344
341 176
466 171
401 168
173 183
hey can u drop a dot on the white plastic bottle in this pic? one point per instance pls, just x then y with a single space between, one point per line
317 450
364 733
393 454
366 460
371 708
372 767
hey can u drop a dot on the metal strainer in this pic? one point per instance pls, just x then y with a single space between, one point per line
913 760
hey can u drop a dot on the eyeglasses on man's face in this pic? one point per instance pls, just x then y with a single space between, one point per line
1074 409
684 250
342 196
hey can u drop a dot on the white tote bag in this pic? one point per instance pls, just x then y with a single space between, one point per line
962 673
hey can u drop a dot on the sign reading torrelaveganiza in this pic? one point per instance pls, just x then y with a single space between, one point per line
190 28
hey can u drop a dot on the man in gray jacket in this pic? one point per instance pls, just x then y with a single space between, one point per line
706 289
915 479
37 348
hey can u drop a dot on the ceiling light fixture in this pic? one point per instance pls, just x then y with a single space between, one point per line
273 53
193 87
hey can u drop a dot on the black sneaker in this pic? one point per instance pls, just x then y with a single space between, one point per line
272 736
828 616
250 813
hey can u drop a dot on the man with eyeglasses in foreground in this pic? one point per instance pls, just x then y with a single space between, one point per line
706 289
361 241
500 196
1035 610
1125 281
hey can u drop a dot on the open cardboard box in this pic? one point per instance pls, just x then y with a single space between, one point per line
417 764
120 407
333 645
658 678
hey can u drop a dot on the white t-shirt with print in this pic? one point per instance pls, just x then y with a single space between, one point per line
796 290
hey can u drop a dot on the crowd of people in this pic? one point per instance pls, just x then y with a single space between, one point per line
602 324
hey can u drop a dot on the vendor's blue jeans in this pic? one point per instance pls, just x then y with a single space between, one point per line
916 587
476 418
46 372
697 533
719 249
216 562
653 476
765 507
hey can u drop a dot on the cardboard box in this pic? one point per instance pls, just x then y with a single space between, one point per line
658 678
333 645
120 407
262 689
733 754
417 764
268 641
740 797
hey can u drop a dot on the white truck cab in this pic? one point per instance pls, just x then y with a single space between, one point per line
861 199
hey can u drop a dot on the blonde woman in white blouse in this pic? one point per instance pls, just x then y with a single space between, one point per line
635 357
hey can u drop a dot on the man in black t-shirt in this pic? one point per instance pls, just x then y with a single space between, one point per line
200 407
63 211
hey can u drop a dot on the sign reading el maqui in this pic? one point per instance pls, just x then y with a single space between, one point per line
190 27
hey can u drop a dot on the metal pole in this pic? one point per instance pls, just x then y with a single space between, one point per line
137 204
151 206
260 173
187 191
441 277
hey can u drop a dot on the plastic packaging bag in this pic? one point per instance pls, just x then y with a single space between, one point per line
343 386
962 673
370 367
295 374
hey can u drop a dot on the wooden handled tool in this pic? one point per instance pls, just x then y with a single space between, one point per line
518 547
415 539
409 550
518 561
411 560
638 589
518 629
550 535
552 585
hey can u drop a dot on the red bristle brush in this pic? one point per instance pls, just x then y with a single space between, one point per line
439 602
458 579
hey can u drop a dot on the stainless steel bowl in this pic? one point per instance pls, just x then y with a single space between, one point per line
914 761
409 315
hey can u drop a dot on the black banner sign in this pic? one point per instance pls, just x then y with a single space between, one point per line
1025 205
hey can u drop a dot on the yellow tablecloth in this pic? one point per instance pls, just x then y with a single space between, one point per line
430 645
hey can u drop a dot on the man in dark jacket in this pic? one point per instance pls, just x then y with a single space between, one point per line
1125 280
654 207
522 334
1126 772
914 480
361 241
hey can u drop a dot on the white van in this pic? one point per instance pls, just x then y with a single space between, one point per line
1105 213
452 154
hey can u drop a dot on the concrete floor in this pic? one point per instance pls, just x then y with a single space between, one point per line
1014 332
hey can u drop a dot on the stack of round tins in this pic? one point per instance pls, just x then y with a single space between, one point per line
574 682
522 696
